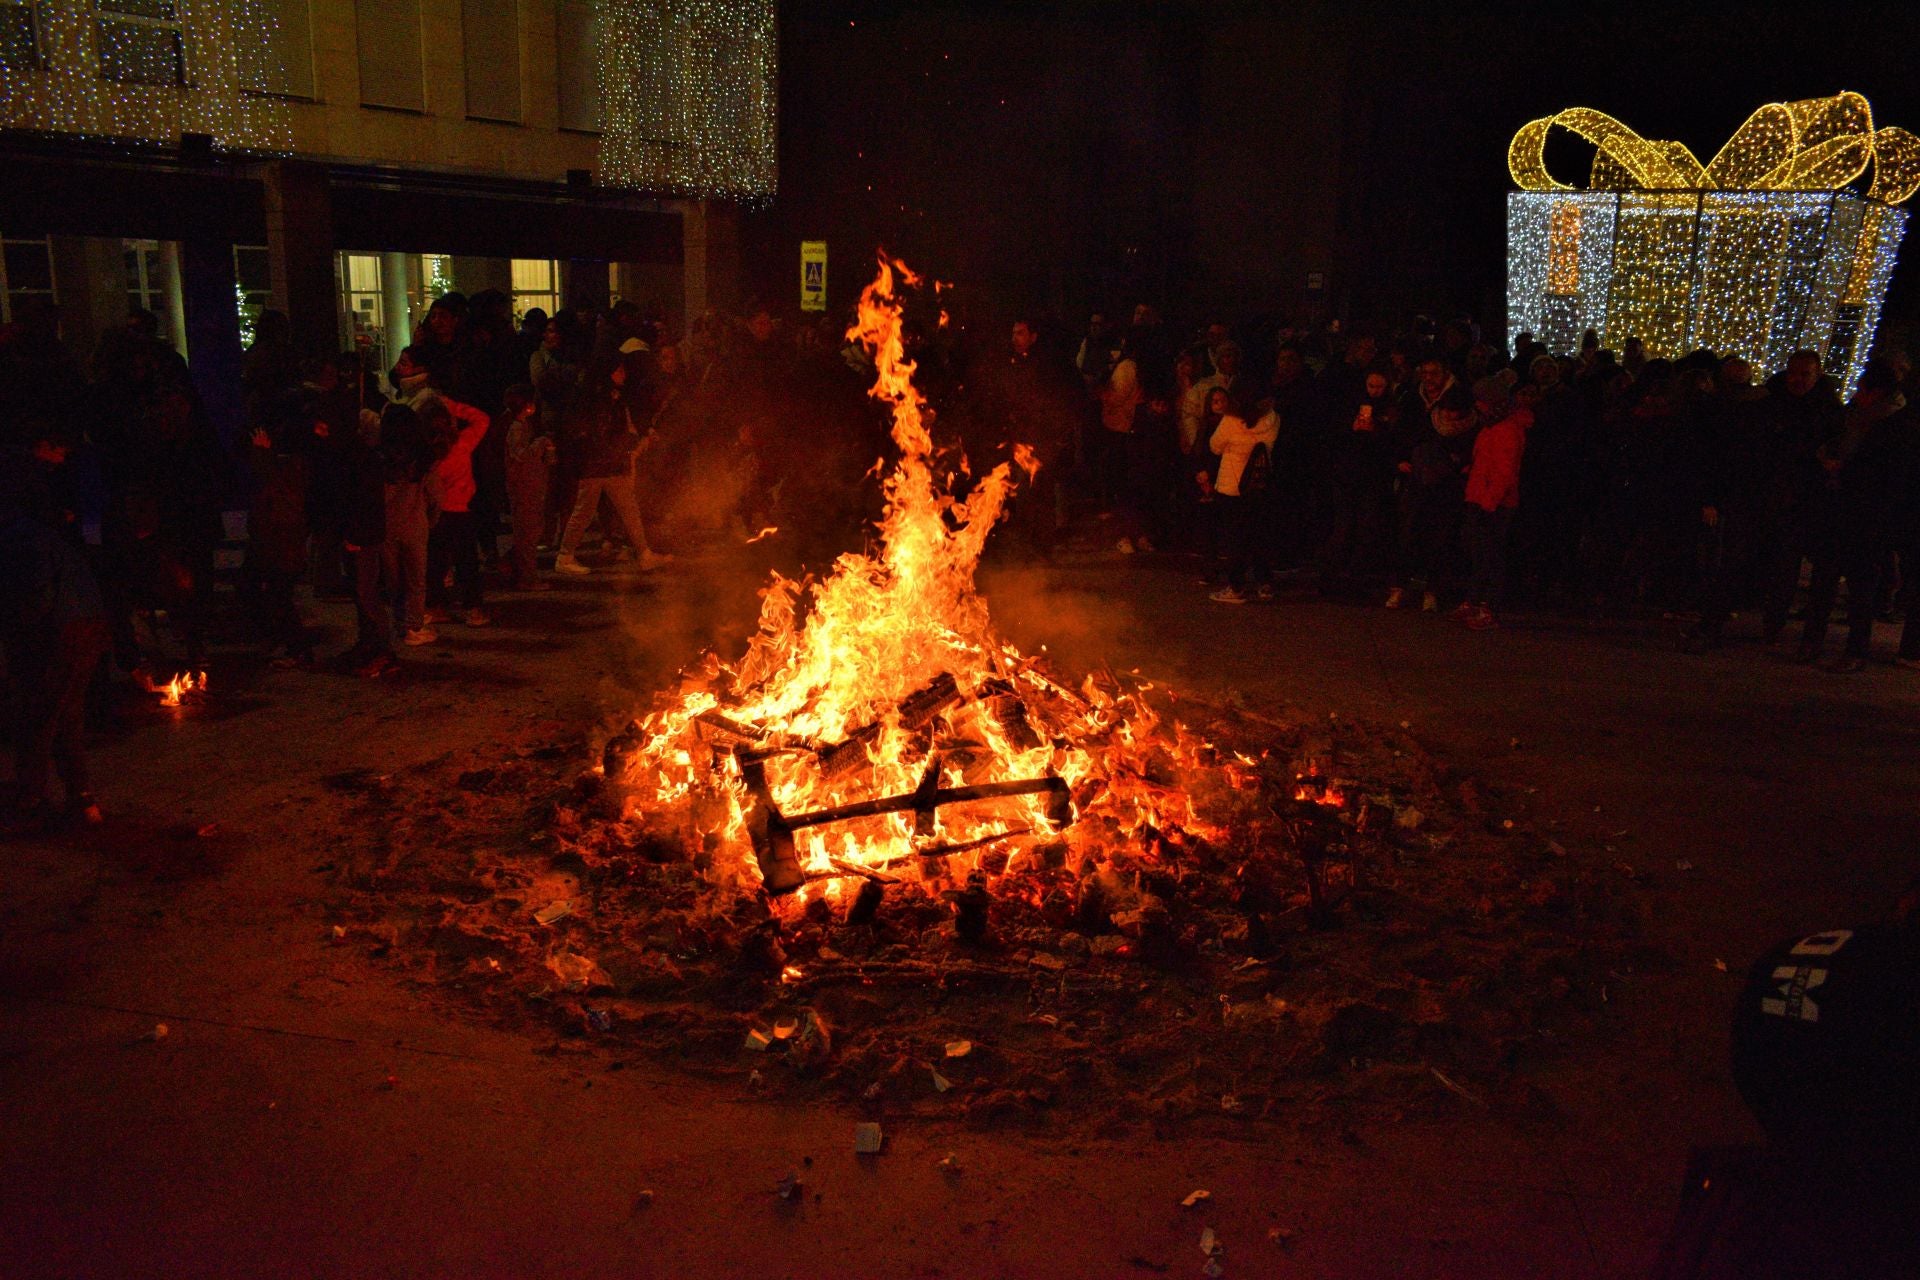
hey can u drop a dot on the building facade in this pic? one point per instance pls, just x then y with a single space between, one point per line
345 161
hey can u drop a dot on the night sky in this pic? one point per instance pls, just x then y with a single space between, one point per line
1055 157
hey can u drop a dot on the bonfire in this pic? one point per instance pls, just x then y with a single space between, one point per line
882 831
877 728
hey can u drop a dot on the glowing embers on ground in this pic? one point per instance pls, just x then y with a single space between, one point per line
876 727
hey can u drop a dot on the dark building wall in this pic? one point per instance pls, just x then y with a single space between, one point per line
1268 138
1210 156
1054 157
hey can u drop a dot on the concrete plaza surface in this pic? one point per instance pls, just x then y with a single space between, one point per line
298 1119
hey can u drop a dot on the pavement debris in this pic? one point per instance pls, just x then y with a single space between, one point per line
868 1139
1196 1197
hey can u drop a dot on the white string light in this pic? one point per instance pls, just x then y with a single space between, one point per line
688 96
203 41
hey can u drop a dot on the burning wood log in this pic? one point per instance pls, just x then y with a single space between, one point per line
772 831
1009 711
916 709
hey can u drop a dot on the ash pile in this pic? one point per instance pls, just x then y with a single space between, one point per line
1343 927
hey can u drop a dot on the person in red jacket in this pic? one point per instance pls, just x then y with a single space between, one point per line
456 430
1493 491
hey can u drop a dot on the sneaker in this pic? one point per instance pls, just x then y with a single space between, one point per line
421 635
477 618
378 665
436 614
1396 598
1482 619
567 564
1227 595
1124 546
1807 654
1263 592
651 559
1463 611
1429 603
1845 665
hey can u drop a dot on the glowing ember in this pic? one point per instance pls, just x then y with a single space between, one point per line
176 690
876 725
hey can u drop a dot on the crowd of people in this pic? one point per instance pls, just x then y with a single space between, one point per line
1425 470
1428 469
392 488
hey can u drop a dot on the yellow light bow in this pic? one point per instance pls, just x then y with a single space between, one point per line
1817 144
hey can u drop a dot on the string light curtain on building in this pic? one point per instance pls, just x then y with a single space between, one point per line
142 70
687 96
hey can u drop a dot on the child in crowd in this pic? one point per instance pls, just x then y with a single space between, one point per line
363 533
277 532
455 430
1493 491
530 459
405 456
1240 487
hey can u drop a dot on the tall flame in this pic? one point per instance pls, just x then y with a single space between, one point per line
838 656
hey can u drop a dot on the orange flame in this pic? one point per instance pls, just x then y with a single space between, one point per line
834 659
177 689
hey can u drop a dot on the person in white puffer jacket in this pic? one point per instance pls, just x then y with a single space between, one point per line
1240 487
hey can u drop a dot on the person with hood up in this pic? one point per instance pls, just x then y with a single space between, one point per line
1493 492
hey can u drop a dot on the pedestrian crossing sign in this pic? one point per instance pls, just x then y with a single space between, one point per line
813 275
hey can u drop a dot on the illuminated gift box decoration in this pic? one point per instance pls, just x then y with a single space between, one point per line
1765 251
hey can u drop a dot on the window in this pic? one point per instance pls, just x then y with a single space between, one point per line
148 286
253 285
360 290
492 29
536 283
578 77
19 41
141 41
26 274
391 73
282 66
436 276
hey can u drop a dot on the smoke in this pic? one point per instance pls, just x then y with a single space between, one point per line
1079 629
708 601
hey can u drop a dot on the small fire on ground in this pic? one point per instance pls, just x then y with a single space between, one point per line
877 730
188 684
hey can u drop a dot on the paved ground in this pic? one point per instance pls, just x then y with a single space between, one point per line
296 1120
